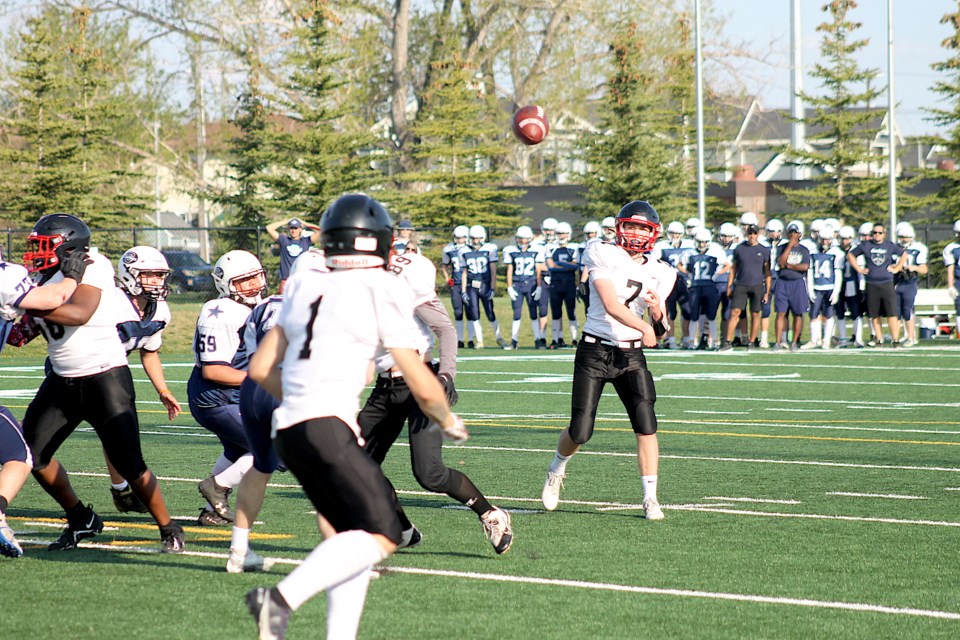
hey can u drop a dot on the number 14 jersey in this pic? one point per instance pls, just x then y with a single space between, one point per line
630 279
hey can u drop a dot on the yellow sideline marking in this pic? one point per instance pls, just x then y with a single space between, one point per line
730 435
217 535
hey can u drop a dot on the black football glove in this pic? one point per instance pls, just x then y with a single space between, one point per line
583 291
74 265
447 381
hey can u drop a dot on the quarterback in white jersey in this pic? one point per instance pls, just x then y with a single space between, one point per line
220 363
328 332
90 381
624 285
17 295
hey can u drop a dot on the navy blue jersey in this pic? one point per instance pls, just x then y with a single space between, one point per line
877 257
290 250
951 258
749 260
479 263
798 255
702 267
825 265
565 269
524 262
916 255
453 258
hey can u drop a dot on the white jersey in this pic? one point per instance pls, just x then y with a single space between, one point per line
218 337
419 274
14 285
140 333
631 280
93 347
812 245
334 323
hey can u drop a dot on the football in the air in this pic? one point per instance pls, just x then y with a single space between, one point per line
530 125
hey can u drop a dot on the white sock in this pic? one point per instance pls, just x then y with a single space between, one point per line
496 329
240 540
649 486
842 328
574 330
712 331
694 327
232 475
559 464
333 562
816 331
858 330
557 331
121 486
535 326
828 328
221 465
345 607
476 331
764 337
459 324
515 330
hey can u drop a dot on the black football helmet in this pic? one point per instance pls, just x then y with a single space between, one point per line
53 237
357 232
642 213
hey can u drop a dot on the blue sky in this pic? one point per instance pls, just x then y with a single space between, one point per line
917 37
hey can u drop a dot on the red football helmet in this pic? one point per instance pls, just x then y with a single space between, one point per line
640 213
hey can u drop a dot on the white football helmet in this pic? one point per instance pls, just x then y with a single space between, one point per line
239 276
524 235
548 224
728 229
905 230
675 227
591 227
748 218
478 235
692 225
703 238
461 231
825 235
609 228
312 259
866 229
139 262
956 226
846 232
775 226
563 233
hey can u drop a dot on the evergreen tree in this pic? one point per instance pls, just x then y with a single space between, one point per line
457 143
251 170
61 158
322 159
948 199
631 158
841 119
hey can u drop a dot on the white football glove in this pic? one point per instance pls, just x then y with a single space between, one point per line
457 433
953 292
812 295
835 297
536 293
512 293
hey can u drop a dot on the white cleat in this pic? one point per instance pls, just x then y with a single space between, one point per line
652 510
249 563
496 526
551 490
810 345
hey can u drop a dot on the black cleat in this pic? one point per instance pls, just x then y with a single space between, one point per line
86 525
125 500
217 496
471 345
271 617
459 344
172 539
211 519
411 538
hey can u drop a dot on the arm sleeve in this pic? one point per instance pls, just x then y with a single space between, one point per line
435 316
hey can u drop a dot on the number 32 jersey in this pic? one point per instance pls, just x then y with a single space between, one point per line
334 324
630 279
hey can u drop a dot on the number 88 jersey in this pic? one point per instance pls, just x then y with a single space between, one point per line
630 279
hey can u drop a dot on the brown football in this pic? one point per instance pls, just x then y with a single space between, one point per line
530 125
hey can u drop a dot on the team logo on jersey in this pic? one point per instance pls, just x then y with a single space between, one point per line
130 257
878 256
294 250
795 257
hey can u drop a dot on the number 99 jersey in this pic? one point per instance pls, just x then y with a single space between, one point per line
630 279
334 324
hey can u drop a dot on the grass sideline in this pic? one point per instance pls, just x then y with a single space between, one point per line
806 494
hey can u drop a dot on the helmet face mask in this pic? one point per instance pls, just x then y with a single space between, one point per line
53 237
638 227
143 271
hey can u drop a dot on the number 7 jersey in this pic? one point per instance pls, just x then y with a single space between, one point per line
630 279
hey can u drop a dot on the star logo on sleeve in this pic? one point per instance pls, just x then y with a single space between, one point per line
215 312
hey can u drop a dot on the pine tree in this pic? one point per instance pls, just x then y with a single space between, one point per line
322 159
948 198
631 158
457 145
842 119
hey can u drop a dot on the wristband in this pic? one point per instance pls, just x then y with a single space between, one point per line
163 391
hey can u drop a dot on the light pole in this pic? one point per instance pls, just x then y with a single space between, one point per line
701 190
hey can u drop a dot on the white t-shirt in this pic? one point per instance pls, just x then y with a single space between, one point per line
93 347
631 280
140 333
334 323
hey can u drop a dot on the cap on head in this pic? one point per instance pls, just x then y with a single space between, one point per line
753 229
406 224
295 223
795 225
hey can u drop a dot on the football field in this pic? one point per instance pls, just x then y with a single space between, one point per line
810 494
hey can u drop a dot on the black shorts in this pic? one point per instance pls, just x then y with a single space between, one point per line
597 364
747 292
344 484
882 301
105 400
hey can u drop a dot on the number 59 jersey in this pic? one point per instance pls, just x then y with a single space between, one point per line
630 279
334 324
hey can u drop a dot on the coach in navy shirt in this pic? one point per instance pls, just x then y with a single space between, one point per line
883 259
749 280
291 244
791 295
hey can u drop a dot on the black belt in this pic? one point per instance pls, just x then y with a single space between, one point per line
626 344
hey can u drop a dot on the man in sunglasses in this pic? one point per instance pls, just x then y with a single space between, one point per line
882 259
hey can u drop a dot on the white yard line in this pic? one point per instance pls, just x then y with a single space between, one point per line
891 496
818 516
756 500
859 607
